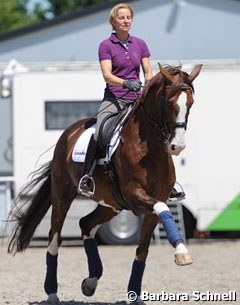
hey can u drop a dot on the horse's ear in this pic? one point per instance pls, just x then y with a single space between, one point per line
165 73
196 70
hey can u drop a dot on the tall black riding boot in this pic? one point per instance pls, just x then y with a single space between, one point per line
87 185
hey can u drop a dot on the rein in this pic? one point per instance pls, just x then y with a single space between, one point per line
163 129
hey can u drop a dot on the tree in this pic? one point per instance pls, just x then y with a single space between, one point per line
14 14
54 8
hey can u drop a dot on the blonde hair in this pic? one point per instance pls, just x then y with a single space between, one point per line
114 11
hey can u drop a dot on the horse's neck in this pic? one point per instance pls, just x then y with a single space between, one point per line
142 158
152 103
141 129
143 134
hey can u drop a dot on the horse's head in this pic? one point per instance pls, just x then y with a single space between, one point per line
170 97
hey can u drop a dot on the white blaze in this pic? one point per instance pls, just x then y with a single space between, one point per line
178 142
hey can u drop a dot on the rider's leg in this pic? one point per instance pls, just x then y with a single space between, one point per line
86 184
107 107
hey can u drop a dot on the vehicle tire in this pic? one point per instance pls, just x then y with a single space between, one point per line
123 229
190 223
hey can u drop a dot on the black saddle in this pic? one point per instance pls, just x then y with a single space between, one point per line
108 125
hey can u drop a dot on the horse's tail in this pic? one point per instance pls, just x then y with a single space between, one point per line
29 209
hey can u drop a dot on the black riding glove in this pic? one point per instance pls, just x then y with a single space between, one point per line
132 85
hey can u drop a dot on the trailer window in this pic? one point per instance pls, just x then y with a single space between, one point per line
61 114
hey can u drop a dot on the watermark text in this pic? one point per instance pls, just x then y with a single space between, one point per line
196 296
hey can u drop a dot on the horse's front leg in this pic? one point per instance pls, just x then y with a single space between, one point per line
181 255
89 225
135 281
174 236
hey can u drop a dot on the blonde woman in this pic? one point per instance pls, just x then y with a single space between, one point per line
121 57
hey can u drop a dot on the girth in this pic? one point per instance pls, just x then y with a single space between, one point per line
114 185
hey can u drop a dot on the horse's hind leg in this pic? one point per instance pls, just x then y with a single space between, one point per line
89 225
60 206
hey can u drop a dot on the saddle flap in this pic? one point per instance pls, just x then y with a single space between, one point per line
111 124
109 136
80 148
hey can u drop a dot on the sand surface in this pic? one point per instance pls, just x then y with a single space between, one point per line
216 269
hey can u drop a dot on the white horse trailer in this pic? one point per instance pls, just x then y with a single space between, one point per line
209 167
40 100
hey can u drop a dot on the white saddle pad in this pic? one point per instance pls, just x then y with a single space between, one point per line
80 149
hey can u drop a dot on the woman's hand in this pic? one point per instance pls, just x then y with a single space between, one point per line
132 85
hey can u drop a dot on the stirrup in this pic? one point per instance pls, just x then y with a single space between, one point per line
177 194
87 187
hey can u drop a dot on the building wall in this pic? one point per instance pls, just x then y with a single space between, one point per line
6 160
173 29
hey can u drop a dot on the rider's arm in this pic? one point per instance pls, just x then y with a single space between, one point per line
106 67
147 69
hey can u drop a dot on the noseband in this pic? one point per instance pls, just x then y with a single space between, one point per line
164 128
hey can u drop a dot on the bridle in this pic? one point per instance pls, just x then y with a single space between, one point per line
164 129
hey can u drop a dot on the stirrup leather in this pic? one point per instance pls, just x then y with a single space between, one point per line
91 187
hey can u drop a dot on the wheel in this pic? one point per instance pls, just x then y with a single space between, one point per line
190 223
123 229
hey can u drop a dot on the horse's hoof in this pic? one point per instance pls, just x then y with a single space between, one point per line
183 259
52 300
89 286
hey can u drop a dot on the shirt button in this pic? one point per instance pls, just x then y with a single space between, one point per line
127 57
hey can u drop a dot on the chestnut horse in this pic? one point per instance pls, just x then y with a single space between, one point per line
144 177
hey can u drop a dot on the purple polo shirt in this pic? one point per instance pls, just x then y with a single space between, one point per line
126 62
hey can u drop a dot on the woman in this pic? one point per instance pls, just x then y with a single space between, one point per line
121 56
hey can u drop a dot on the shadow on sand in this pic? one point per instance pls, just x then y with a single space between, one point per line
78 303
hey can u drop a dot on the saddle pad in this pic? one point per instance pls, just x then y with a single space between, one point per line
80 148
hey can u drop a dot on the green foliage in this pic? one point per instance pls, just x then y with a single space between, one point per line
13 15
59 7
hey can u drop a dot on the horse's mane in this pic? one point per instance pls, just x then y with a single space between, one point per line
173 70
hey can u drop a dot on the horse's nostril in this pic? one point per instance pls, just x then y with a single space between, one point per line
173 147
